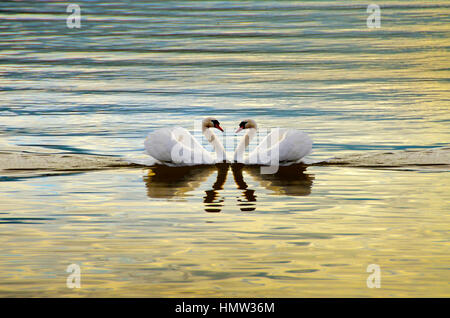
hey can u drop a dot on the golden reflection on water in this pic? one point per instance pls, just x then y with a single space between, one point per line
275 236
175 182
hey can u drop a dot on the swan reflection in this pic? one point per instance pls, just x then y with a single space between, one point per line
290 180
175 183
213 202
246 201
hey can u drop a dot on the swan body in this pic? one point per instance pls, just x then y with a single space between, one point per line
281 145
175 145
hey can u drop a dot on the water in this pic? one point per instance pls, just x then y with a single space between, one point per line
135 66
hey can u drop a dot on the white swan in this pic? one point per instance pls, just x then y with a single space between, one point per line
282 145
175 145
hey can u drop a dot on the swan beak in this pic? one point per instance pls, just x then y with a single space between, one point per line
238 130
218 127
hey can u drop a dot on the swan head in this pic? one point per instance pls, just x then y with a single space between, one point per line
246 124
211 122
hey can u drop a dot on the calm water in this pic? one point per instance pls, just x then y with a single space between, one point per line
135 66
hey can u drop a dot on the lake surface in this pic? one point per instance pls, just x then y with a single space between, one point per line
135 66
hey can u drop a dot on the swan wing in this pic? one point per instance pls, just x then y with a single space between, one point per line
159 143
295 145
269 145
176 145
193 151
288 144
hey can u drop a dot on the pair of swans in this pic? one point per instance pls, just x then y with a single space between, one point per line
176 146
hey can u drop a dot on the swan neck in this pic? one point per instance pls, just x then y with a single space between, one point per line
245 141
217 145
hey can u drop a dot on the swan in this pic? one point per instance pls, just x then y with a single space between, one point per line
175 145
281 145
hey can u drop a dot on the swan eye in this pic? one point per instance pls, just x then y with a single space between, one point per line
216 124
242 124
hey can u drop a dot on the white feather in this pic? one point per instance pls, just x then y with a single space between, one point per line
160 145
281 144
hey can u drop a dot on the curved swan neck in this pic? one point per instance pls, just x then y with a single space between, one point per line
245 141
217 145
